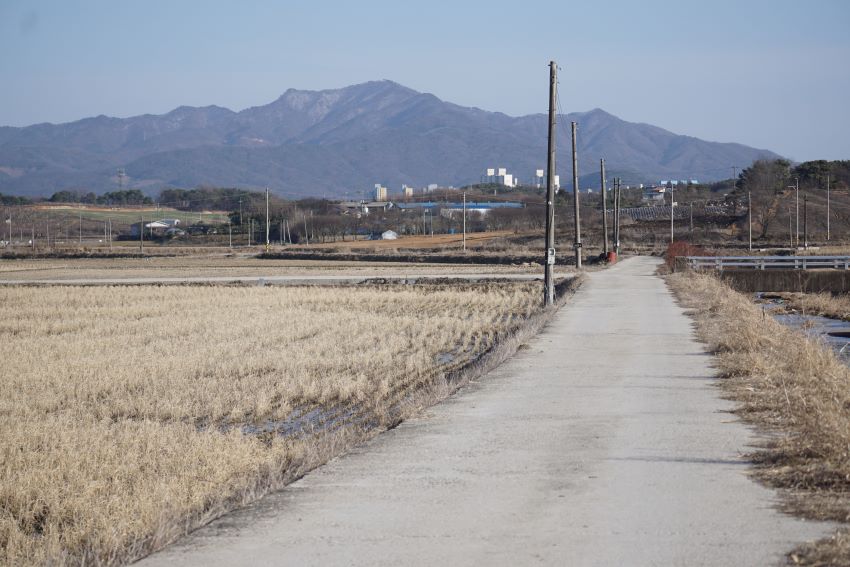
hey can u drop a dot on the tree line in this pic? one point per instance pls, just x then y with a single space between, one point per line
769 185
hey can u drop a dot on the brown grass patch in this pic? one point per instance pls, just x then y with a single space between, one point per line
823 304
130 415
45 270
793 386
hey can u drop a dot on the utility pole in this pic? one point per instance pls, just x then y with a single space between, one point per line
797 204
671 213
549 260
806 222
617 215
790 228
267 219
691 227
576 200
464 222
827 207
750 217
306 235
604 207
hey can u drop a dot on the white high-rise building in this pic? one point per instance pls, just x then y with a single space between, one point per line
501 176
380 192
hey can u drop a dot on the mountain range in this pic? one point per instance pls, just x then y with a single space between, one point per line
339 143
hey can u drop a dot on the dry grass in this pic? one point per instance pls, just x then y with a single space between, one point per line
124 412
823 304
223 266
473 239
792 385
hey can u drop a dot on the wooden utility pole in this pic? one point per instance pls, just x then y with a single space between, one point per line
797 205
604 207
576 200
671 213
549 258
806 221
790 228
750 217
464 222
617 215
827 207
267 219
691 226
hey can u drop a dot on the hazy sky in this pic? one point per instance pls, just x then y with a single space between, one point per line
770 74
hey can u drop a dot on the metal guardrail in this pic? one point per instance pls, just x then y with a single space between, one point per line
769 262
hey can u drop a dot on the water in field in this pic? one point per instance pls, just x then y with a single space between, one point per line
833 332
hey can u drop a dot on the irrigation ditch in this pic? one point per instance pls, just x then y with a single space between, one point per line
830 332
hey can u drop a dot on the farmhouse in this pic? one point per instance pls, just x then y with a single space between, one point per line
156 228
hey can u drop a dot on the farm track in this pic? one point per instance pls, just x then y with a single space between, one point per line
604 442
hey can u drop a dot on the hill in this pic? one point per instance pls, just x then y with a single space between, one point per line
340 143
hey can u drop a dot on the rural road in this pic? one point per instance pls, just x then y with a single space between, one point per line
604 442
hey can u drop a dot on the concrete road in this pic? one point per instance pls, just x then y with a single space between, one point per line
605 442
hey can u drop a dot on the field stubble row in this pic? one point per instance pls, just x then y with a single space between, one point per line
222 266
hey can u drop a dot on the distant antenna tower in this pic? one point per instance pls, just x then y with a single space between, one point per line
122 178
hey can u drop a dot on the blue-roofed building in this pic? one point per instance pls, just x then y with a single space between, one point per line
471 206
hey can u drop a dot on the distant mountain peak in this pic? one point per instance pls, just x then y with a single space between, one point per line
339 140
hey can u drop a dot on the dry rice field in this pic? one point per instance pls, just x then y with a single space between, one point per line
131 414
48 269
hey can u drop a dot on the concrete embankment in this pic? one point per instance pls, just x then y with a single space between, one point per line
806 281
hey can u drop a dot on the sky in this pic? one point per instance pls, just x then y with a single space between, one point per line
770 74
